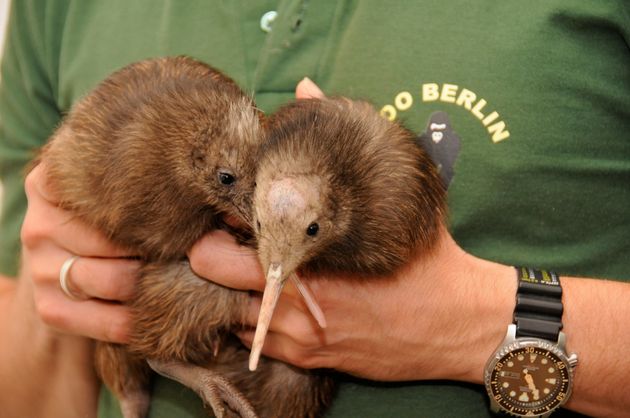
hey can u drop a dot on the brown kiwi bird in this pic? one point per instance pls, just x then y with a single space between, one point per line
155 156
340 189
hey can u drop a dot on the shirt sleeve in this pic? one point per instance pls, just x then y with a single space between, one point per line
28 109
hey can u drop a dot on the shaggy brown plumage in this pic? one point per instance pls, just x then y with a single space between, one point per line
153 157
340 190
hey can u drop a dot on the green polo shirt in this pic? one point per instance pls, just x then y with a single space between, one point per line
527 103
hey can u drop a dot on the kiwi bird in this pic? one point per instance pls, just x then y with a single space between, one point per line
339 189
155 156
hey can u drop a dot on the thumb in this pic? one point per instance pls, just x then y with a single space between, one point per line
307 89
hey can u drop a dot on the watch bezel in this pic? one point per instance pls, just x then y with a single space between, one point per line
512 344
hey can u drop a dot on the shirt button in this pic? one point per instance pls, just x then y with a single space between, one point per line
267 20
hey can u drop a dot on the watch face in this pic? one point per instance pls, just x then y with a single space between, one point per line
529 378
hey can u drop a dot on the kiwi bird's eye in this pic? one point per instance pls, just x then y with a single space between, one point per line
312 229
226 179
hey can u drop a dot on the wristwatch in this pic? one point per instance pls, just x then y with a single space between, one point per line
530 374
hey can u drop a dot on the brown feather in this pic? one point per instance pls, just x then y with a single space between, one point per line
340 190
139 159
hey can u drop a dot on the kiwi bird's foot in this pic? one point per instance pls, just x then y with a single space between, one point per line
213 388
135 405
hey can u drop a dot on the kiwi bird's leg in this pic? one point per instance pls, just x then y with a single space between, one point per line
135 405
126 375
213 388
273 288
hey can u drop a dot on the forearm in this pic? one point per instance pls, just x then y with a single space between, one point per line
595 323
44 373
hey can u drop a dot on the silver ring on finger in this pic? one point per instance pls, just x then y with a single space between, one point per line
64 279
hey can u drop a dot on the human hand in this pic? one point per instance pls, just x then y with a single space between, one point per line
102 276
420 323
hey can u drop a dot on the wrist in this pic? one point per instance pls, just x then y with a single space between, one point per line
531 372
478 298
491 304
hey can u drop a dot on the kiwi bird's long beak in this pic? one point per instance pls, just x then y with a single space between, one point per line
273 288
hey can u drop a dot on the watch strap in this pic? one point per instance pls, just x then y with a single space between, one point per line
538 311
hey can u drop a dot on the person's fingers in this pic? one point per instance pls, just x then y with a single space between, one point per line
104 278
51 236
284 348
290 317
92 318
92 281
307 89
218 257
289 314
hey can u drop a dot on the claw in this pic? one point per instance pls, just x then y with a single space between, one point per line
213 388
